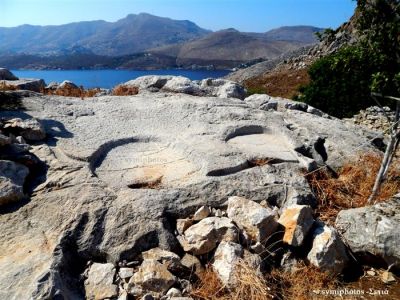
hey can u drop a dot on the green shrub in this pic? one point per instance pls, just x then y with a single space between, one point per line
341 83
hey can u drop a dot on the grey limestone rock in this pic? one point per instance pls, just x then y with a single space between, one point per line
373 231
121 170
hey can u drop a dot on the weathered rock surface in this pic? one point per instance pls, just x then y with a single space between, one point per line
258 222
124 273
12 178
66 84
220 88
204 236
297 220
7 75
153 276
29 129
121 170
161 256
35 85
183 224
226 258
328 251
99 284
373 231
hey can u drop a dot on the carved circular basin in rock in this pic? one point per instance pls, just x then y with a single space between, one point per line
146 165
265 145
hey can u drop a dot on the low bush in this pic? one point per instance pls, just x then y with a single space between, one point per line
122 90
72 92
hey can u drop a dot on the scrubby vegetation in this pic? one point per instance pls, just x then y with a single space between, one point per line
352 186
282 83
122 90
341 83
68 91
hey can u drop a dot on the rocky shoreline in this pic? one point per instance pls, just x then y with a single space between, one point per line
133 197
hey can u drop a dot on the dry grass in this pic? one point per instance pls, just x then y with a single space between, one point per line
279 83
121 90
249 285
209 286
276 284
353 185
72 92
302 284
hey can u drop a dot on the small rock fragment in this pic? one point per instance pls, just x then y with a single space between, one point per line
328 251
204 236
183 224
297 220
153 276
174 292
123 296
226 257
99 284
125 272
202 213
387 277
160 255
258 222
12 178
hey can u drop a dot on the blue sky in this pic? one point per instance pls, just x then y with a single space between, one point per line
245 15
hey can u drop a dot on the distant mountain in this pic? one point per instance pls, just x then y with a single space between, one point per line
143 41
133 34
302 34
230 47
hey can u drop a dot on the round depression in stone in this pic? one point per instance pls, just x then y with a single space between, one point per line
145 165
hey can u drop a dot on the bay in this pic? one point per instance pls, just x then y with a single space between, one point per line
110 78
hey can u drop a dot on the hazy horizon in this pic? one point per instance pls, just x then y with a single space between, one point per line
249 16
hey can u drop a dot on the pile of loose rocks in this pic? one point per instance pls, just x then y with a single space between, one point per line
374 118
16 162
243 233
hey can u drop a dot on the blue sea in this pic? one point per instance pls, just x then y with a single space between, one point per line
111 78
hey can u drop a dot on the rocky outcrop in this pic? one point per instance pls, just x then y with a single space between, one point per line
119 172
29 129
35 85
12 179
372 232
7 75
177 84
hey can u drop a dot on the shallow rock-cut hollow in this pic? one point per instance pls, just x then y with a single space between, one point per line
265 145
145 165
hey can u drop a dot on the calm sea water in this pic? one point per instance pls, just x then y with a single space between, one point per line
110 78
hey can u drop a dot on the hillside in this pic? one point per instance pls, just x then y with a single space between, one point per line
143 41
132 34
230 48
282 76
